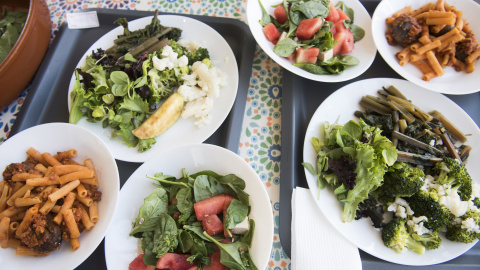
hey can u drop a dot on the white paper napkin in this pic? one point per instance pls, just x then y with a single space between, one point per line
315 243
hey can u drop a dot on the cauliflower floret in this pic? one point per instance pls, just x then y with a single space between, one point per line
416 223
190 93
189 44
198 108
400 207
452 201
209 79
470 225
169 59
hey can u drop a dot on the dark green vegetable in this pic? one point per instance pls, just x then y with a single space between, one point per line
429 240
234 255
452 172
402 180
426 203
11 26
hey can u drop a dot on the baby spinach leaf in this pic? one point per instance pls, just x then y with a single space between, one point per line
312 68
265 16
185 241
285 47
236 212
311 9
247 238
184 203
154 206
358 32
233 255
206 187
150 258
165 238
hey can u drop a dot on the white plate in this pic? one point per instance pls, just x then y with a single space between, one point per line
52 138
361 232
452 82
364 49
121 249
183 131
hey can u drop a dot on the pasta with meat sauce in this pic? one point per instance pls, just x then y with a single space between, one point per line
46 200
433 37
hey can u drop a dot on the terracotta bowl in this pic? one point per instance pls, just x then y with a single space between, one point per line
20 65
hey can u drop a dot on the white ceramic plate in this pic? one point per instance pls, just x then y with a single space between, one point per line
120 249
52 138
364 49
361 232
183 131
452 82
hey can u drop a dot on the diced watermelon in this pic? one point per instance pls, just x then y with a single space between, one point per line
348 44
342 15
333 30
173 261
215 262
291 56
271 32
309 55
340 39
212 225
193 268
280 14
340 27
137 264
211 206
333 15
308 27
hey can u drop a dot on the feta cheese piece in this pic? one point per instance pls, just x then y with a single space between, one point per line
400 207
324 56
190 93
242 227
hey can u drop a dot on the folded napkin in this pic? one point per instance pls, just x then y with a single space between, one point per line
315 242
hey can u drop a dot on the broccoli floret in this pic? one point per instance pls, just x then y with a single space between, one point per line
459 232
453 173
428 240
395 236
426 203
198 55
402 180
476 202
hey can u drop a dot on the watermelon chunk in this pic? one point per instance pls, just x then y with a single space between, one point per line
215 262
340 27
280 14
137 264
348 43
212 225
173 261
333 15
340 39
308 27
309 55
342 15
271 32
211 206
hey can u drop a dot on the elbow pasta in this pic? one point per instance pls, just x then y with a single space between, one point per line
58 190
433 48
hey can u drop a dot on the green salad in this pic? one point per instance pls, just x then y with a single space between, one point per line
121 87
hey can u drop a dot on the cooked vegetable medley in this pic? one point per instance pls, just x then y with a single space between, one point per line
404 168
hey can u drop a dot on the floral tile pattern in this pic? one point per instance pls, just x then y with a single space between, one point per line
260 141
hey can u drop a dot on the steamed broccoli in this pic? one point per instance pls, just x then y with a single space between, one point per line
402 180
395 236
428 240
198 55
426 203
453 173
476 202
465 230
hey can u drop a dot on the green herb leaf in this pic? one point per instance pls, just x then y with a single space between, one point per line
151 211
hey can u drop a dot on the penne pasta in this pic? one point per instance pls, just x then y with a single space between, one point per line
4 231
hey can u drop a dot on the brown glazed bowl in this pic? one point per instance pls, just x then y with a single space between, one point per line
20 65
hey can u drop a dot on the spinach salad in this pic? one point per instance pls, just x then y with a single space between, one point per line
175 221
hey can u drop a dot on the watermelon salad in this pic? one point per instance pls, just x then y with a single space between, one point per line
316 35
197 221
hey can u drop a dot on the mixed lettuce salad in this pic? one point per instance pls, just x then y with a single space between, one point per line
120 87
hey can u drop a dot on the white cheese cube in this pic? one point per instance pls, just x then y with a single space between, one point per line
242 227
324 56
